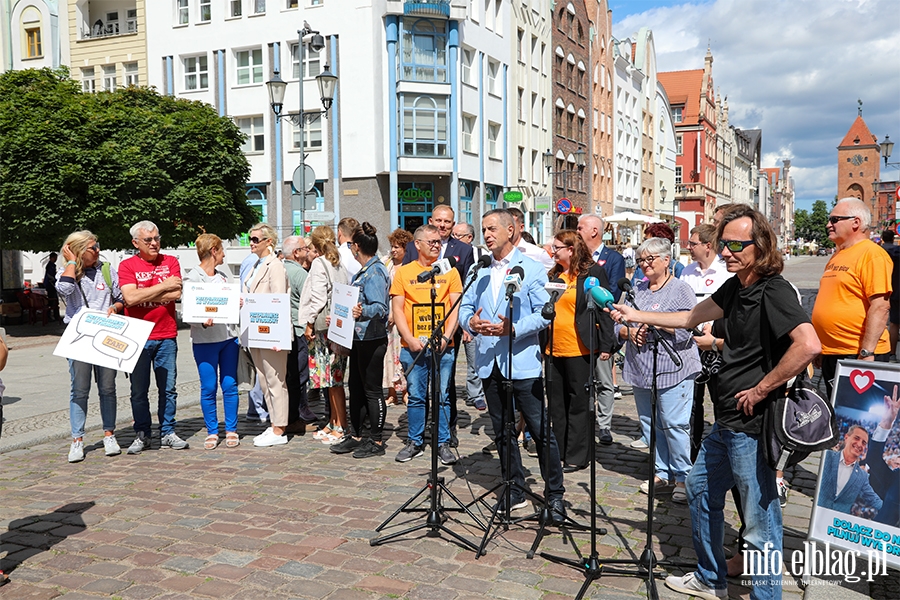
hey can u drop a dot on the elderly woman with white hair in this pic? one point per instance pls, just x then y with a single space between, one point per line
662 292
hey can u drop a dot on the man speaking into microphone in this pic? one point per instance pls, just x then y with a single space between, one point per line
517 279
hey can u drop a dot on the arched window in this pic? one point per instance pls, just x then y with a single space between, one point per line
32 43
423 126
423 55
256 197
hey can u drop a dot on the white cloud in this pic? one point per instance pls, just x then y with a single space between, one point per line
792 68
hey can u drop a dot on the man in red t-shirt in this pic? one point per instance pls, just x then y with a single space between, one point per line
151 283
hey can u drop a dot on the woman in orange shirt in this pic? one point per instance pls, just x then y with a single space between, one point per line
569 368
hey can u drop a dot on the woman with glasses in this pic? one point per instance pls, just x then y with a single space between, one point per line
662 292
369 345
393 378
215 349
269 277
85 283
327 361
569 368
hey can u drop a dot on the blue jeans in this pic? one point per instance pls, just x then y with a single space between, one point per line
217 362
80 373
673 428
729 458
417 386
161 355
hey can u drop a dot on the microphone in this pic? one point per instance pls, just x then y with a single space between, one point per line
555 288
624 284
484 262
441 267
599 295
513 281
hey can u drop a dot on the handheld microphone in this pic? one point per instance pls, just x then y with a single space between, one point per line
513 281
441 267
624 284
555 288
599 295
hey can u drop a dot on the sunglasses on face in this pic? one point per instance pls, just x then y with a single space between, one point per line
95 248
256 240
834 219
734 246
150 240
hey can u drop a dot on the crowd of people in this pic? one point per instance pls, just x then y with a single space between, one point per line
726 327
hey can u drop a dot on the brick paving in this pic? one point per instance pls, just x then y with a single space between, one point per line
296 520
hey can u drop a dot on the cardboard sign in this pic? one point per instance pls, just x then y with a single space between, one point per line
220 302
340 328
112 341
266 322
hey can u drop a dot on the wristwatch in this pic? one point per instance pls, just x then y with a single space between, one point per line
866 353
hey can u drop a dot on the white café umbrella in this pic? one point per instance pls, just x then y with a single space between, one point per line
630 219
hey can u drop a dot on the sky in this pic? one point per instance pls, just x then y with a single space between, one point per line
793 68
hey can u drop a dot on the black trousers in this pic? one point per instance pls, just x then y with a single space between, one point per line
570 407
366 366
297 377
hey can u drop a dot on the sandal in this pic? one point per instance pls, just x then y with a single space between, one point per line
211 442
326 431
232 440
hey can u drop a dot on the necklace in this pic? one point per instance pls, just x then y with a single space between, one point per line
668 277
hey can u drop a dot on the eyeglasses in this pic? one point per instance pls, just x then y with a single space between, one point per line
648 260
735 246
256 240
835 218
460 236
150 240
692 244
431 243
556 248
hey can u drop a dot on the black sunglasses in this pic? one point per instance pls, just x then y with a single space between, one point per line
256 240
834 219
735 246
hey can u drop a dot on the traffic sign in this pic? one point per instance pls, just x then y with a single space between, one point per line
563 205
309 178
319 215
897 193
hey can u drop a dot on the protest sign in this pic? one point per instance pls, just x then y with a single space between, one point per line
114 341
220 302
266 321
343 299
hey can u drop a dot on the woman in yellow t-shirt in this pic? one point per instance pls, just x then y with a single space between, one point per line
569 367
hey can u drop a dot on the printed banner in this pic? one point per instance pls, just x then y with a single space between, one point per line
421 320
220 302
340 328
266 321
113 341
857 507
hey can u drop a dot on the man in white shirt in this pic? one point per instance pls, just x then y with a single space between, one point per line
345 229
530 250
705 275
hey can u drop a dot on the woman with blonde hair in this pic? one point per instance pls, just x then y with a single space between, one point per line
269 277
216 349
85 283
327 362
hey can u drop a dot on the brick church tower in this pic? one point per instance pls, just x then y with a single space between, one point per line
858 163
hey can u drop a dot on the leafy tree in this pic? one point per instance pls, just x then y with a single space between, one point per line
811 225
70 160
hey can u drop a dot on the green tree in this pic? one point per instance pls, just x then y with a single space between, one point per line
811 225
70 161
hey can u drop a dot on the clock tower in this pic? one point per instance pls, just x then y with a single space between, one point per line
859 163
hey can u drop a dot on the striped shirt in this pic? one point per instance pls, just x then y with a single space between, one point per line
674 296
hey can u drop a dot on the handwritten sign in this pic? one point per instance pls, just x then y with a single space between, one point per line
112 341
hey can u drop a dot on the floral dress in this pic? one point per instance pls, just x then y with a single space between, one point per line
393 370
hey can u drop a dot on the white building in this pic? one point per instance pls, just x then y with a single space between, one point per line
627 142
32 35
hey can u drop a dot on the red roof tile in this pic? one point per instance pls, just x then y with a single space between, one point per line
859 135
683 87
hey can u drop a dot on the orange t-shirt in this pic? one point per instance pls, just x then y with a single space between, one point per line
851 277
417 297
566 341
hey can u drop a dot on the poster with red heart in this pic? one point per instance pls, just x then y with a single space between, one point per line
857 504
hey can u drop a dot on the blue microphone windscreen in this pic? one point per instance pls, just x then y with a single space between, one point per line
602 297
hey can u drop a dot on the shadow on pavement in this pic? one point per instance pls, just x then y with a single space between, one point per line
29 536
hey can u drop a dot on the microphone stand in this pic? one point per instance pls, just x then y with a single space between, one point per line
505 487
648 563
436 512
543 513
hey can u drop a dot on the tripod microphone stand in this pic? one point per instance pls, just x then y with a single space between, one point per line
435 513
647 563
543 514
590 566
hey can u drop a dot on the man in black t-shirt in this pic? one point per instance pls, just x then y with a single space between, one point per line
768 340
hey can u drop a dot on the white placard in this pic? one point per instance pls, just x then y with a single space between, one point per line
113 341
266 321
343 299
220 302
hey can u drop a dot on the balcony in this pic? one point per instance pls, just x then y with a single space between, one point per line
113 19
435 9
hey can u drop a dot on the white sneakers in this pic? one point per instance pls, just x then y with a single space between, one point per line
76 451
111 446
689 584
268 438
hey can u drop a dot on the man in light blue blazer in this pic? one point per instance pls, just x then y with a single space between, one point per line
483 313
843 480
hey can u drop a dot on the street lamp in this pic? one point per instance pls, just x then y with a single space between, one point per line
277 87
580 162
887 147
